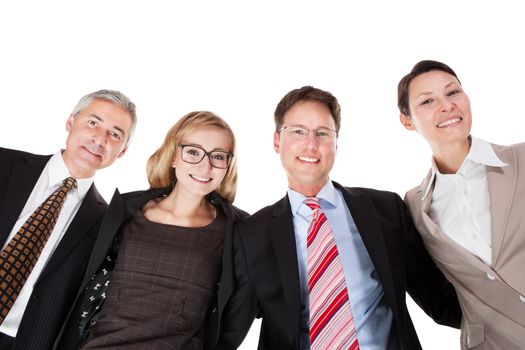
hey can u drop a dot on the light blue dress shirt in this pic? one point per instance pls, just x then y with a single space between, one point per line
372 316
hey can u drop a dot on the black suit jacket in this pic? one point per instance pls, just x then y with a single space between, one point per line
268 280
58 283
122 208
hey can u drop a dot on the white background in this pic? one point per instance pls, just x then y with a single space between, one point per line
238 58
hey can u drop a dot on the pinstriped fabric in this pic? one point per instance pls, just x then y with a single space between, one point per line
20 255
331 320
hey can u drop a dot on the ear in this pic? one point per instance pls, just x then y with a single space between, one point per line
122 152
69 122
276 140
406 121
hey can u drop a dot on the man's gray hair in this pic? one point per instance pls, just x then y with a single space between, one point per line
112 96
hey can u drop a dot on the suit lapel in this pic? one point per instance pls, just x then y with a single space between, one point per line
90 211
501 184
120 209
21 184
114 217
226 281
366 221
281 231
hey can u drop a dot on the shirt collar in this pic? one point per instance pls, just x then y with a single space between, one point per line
481 152
58 172
327 196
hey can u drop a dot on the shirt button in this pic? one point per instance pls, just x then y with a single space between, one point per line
522 298
491 276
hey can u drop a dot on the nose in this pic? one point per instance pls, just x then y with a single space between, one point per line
206 163
100 137
311 140
446 105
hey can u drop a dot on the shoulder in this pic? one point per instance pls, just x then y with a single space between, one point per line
12 155
232 211
138 198
265 215
370 193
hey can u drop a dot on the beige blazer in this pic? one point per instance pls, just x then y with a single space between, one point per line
492 297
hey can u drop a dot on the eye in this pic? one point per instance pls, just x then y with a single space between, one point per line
322 133
193 151
218 156
92 122
116 136
298 131
427 101
453 92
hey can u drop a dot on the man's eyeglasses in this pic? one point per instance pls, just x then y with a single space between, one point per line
194 154
300 132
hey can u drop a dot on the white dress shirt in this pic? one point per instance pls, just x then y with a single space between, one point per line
461 203
51 178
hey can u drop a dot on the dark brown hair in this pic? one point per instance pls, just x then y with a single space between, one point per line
420 68
307 93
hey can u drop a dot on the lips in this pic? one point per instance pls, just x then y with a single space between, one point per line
201 179
448 122
308 159
93 151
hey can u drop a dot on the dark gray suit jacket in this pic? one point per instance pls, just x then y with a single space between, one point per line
267 275
56 288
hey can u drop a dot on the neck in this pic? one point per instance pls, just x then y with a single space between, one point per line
186 204
308 190
450 157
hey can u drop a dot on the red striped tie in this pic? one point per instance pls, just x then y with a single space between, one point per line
331 320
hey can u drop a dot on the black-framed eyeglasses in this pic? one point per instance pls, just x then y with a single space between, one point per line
193 154
301 132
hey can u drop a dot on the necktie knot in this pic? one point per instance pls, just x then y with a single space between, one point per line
69 183
312 202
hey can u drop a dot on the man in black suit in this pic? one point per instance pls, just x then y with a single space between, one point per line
379 253
99 130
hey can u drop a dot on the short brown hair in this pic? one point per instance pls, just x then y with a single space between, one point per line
159 170
420 68
307 93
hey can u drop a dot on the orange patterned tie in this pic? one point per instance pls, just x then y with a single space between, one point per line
331 321
20 255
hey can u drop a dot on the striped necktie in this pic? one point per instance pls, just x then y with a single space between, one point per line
331 320
20 255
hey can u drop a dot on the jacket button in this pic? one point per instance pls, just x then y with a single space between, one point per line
491 276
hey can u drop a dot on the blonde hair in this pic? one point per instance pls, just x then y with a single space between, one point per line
159 167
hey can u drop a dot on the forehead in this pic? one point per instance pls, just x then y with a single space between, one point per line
108 112
209 137
429 81
312 114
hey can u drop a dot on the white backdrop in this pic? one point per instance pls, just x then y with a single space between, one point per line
238 58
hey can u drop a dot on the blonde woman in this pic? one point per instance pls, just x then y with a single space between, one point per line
167 251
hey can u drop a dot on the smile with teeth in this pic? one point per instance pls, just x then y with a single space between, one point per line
308 159
200 179
93 151
449 122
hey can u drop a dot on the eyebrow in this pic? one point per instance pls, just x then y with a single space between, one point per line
201 147
119 129
446 87
305 127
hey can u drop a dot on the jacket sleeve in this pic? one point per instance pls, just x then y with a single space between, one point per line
241 308
425 283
